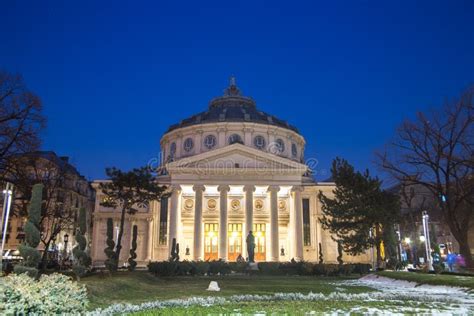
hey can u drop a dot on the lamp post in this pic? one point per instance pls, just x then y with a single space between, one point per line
373 252
7 194
399 241
426 232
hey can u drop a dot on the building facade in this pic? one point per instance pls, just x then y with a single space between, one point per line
230 170
65 192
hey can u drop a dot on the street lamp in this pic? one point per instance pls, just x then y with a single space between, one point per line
373 251
427 240
7 193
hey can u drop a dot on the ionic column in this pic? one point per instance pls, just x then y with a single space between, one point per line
173 216
223 189
273 189
298 222
150 239
199 189
249 190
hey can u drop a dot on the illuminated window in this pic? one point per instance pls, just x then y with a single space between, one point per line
188 144
259 142
210 141
235 138
306 223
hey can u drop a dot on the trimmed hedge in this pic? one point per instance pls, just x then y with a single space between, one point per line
173 268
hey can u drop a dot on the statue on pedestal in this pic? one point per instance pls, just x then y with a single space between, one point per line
250 247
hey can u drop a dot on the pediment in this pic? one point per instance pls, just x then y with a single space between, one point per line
236 158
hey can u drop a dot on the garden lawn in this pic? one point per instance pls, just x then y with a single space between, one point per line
355 307
140 286
431 279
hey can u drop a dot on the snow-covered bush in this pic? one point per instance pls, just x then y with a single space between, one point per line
51 294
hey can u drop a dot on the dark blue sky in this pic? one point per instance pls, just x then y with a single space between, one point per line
114 76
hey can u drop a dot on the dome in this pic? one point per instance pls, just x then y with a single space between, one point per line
232 107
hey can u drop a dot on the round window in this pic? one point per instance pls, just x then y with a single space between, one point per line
210 141
280 145
235 138
259 142
294 150
188 144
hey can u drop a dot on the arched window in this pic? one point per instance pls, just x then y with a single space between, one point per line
172 149
235 138
210 141
294 150
259 142
188 144
280 145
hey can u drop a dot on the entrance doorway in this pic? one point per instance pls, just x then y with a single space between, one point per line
259 233
235 242
211 232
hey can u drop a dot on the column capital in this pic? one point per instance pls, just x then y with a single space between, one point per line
297 188
223 188
175 188
273 188
149 219
249 188
199 187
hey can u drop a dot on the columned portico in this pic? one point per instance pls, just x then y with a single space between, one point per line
274 231
198 189
298 222
223 189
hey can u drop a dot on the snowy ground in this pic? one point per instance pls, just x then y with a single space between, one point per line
415 298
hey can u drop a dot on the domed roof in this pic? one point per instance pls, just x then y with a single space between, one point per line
232 107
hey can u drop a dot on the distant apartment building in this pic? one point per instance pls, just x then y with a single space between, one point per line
65 192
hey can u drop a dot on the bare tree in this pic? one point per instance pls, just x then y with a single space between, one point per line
20 118
437 152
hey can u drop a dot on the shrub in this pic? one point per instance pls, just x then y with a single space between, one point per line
163 268
28 251
133 254
111 262
270 268
200 268
82 259
238 267
51 294
346 269
184 268
219 267
331 269
361 268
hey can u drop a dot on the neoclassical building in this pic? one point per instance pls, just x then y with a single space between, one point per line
229 169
